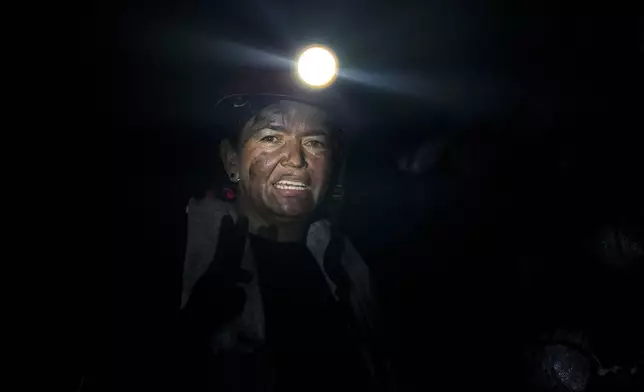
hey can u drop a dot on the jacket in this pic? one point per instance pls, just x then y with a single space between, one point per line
244 337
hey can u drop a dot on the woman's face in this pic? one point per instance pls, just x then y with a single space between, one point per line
285 160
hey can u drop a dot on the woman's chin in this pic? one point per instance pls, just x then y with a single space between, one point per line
293 211
293 207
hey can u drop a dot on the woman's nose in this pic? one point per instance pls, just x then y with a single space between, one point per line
293 155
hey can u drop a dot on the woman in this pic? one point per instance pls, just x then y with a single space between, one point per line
273 298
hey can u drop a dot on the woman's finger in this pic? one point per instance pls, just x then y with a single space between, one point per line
241 234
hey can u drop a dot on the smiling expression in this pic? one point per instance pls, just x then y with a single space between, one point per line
285 160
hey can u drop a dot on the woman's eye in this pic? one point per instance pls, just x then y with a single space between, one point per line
269 139
315 144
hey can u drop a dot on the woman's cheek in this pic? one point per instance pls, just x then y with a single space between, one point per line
260 165
320 171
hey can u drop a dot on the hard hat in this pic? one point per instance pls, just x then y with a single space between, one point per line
257 88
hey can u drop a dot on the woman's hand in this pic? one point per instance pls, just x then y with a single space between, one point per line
216 298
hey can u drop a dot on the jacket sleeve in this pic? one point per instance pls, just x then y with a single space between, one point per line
362 296
367 312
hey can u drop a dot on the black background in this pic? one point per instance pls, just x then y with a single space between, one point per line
541 101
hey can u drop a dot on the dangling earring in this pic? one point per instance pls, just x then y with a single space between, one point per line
234 177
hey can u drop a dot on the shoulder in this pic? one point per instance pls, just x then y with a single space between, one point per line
319 238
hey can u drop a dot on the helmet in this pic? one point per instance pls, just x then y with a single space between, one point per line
259 88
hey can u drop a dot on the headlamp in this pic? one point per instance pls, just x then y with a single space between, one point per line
317 66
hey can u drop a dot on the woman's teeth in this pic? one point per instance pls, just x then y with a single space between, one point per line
293 185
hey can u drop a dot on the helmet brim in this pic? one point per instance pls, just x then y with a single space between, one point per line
234 110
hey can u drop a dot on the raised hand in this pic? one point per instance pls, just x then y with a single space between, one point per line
217 297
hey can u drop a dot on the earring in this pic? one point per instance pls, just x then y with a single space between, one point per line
234 177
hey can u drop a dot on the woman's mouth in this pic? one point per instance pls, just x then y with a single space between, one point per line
291 185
